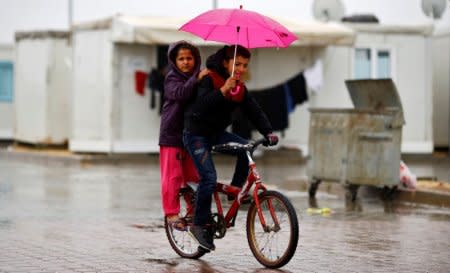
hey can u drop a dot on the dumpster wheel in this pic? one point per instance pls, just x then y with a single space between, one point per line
352 191
388 193
313 187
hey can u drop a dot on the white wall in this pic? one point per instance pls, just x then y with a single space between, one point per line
60 91
30 86
42 88
414 84
135 124
92 96
441 89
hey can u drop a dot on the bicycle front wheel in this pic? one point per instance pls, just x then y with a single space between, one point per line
274 243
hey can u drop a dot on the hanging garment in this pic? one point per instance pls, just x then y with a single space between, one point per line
290 106
139 82
273 104
277 102
156 84
297 87
314 76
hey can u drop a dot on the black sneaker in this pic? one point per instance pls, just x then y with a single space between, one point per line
201 236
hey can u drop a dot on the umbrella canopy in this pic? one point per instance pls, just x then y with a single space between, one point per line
238 26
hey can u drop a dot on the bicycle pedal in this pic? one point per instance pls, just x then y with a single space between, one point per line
203 250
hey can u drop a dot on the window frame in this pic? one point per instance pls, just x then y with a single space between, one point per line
8 98
374 49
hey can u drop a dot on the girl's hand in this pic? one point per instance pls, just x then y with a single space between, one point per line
202 74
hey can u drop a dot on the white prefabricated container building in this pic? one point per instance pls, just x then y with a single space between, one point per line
6 91
42 87
109 116
403 53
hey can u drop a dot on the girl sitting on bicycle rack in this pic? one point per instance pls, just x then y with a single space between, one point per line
206 119
175 163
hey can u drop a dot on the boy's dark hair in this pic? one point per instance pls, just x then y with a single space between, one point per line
183 45
240 51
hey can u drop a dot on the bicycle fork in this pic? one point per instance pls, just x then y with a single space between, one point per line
254 177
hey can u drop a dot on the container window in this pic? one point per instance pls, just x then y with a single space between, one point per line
383 64
363 63
6 81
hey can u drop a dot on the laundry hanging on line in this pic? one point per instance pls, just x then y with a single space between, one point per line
277 102
156 84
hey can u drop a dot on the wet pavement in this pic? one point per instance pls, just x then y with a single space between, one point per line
107 218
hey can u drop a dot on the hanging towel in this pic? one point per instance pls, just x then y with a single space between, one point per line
314 76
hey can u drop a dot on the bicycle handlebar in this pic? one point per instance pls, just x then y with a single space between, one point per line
234 146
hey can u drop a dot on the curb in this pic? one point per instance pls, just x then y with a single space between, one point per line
421 196
424 196
67 158
47 156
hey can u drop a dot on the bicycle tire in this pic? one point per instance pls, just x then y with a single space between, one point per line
287 217
180 241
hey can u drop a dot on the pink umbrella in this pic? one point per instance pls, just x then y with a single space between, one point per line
237 26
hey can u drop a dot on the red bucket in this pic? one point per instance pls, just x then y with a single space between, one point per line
139 81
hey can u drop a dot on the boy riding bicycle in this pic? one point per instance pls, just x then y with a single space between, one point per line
206 119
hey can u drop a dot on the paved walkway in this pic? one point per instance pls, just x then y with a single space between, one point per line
58 217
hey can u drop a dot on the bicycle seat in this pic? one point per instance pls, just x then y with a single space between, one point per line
232 146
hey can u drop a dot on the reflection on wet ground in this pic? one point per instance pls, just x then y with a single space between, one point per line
108 219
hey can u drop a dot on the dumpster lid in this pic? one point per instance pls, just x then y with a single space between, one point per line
376 94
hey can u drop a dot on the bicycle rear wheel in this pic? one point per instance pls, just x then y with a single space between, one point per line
273 245
180 241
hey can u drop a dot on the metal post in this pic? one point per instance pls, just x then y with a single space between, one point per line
214 4
70 12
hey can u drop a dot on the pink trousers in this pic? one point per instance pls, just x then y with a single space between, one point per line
177 168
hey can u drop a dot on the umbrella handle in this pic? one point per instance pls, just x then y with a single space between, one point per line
235 90
235 50
234 60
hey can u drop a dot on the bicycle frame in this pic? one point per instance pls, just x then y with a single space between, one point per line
240 193
270 208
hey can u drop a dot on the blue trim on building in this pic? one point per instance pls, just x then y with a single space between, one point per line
6 81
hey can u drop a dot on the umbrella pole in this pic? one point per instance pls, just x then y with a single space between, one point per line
235 51
234 60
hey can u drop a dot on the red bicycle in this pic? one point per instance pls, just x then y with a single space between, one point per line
272 225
